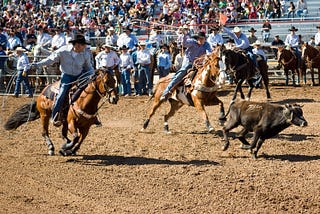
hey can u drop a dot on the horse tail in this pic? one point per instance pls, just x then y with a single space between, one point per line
25 113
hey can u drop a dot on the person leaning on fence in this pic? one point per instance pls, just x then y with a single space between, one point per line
241 41
75 63
22 72
126 65
195 47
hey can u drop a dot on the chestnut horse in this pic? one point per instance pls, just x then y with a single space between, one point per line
80 116
311 56
202 92
289 61
242 68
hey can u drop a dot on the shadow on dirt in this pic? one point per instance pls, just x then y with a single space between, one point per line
105 160
292 157
285 101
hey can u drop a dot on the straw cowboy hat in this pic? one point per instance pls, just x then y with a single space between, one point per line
108 46
293 29
252 30
19 48
110 29
142 43
78 38
236 29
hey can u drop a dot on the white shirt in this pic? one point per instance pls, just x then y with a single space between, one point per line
258 51
58 41
108 60
126 61
143 57
214 40
317 38
292 40
22 62
44 39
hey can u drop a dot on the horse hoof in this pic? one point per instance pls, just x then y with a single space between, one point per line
65 152
211 130
142 130
51 152
247 147
225 147
168 132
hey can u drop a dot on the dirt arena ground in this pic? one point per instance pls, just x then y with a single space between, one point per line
120 170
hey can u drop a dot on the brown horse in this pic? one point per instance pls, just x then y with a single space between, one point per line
202 92
290 62
242 68
311 56
81 114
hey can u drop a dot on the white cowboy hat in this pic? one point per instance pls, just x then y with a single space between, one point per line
258 43
111 29
236 29
20 49
142 43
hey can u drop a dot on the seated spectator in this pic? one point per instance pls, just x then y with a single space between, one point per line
291 9
302 9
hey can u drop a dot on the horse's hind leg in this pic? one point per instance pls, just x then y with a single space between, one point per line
155 106
45 133
174 107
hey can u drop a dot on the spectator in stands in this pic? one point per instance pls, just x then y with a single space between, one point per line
144 60
22 69
215 39
252 38
126 65
291 9
241 41
127 39
58 40
266 27
302 9
275 44
13 41
196 47
317 36
3 39
276 9
112 37
164 61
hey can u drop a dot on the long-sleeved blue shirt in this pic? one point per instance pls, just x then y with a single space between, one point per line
241 42
194 50
71 63
164 60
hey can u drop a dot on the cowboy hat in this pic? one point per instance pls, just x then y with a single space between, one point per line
200 35
293 29
110 29
236 29
142 43
124 47
78 38
108 46
19 48
252 30
318 26
215 28
257 43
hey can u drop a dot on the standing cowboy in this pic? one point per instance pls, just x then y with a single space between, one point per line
22 68
75 62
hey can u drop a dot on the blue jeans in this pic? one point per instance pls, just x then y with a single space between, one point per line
125 81
65 85
163 72
178 76
144 80
25 82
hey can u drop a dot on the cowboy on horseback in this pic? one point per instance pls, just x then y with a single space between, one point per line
241 41
292 42
75 62
195 47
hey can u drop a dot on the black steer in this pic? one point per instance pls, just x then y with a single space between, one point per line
265 120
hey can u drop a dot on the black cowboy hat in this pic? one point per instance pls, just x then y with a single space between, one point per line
252 30
78 38
215 28
128 28
293 29
124 47
318 26
200 35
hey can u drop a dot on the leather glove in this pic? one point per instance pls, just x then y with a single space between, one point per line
24 73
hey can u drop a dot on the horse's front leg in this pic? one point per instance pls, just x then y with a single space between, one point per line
200 108
238 88
83 134
66 148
